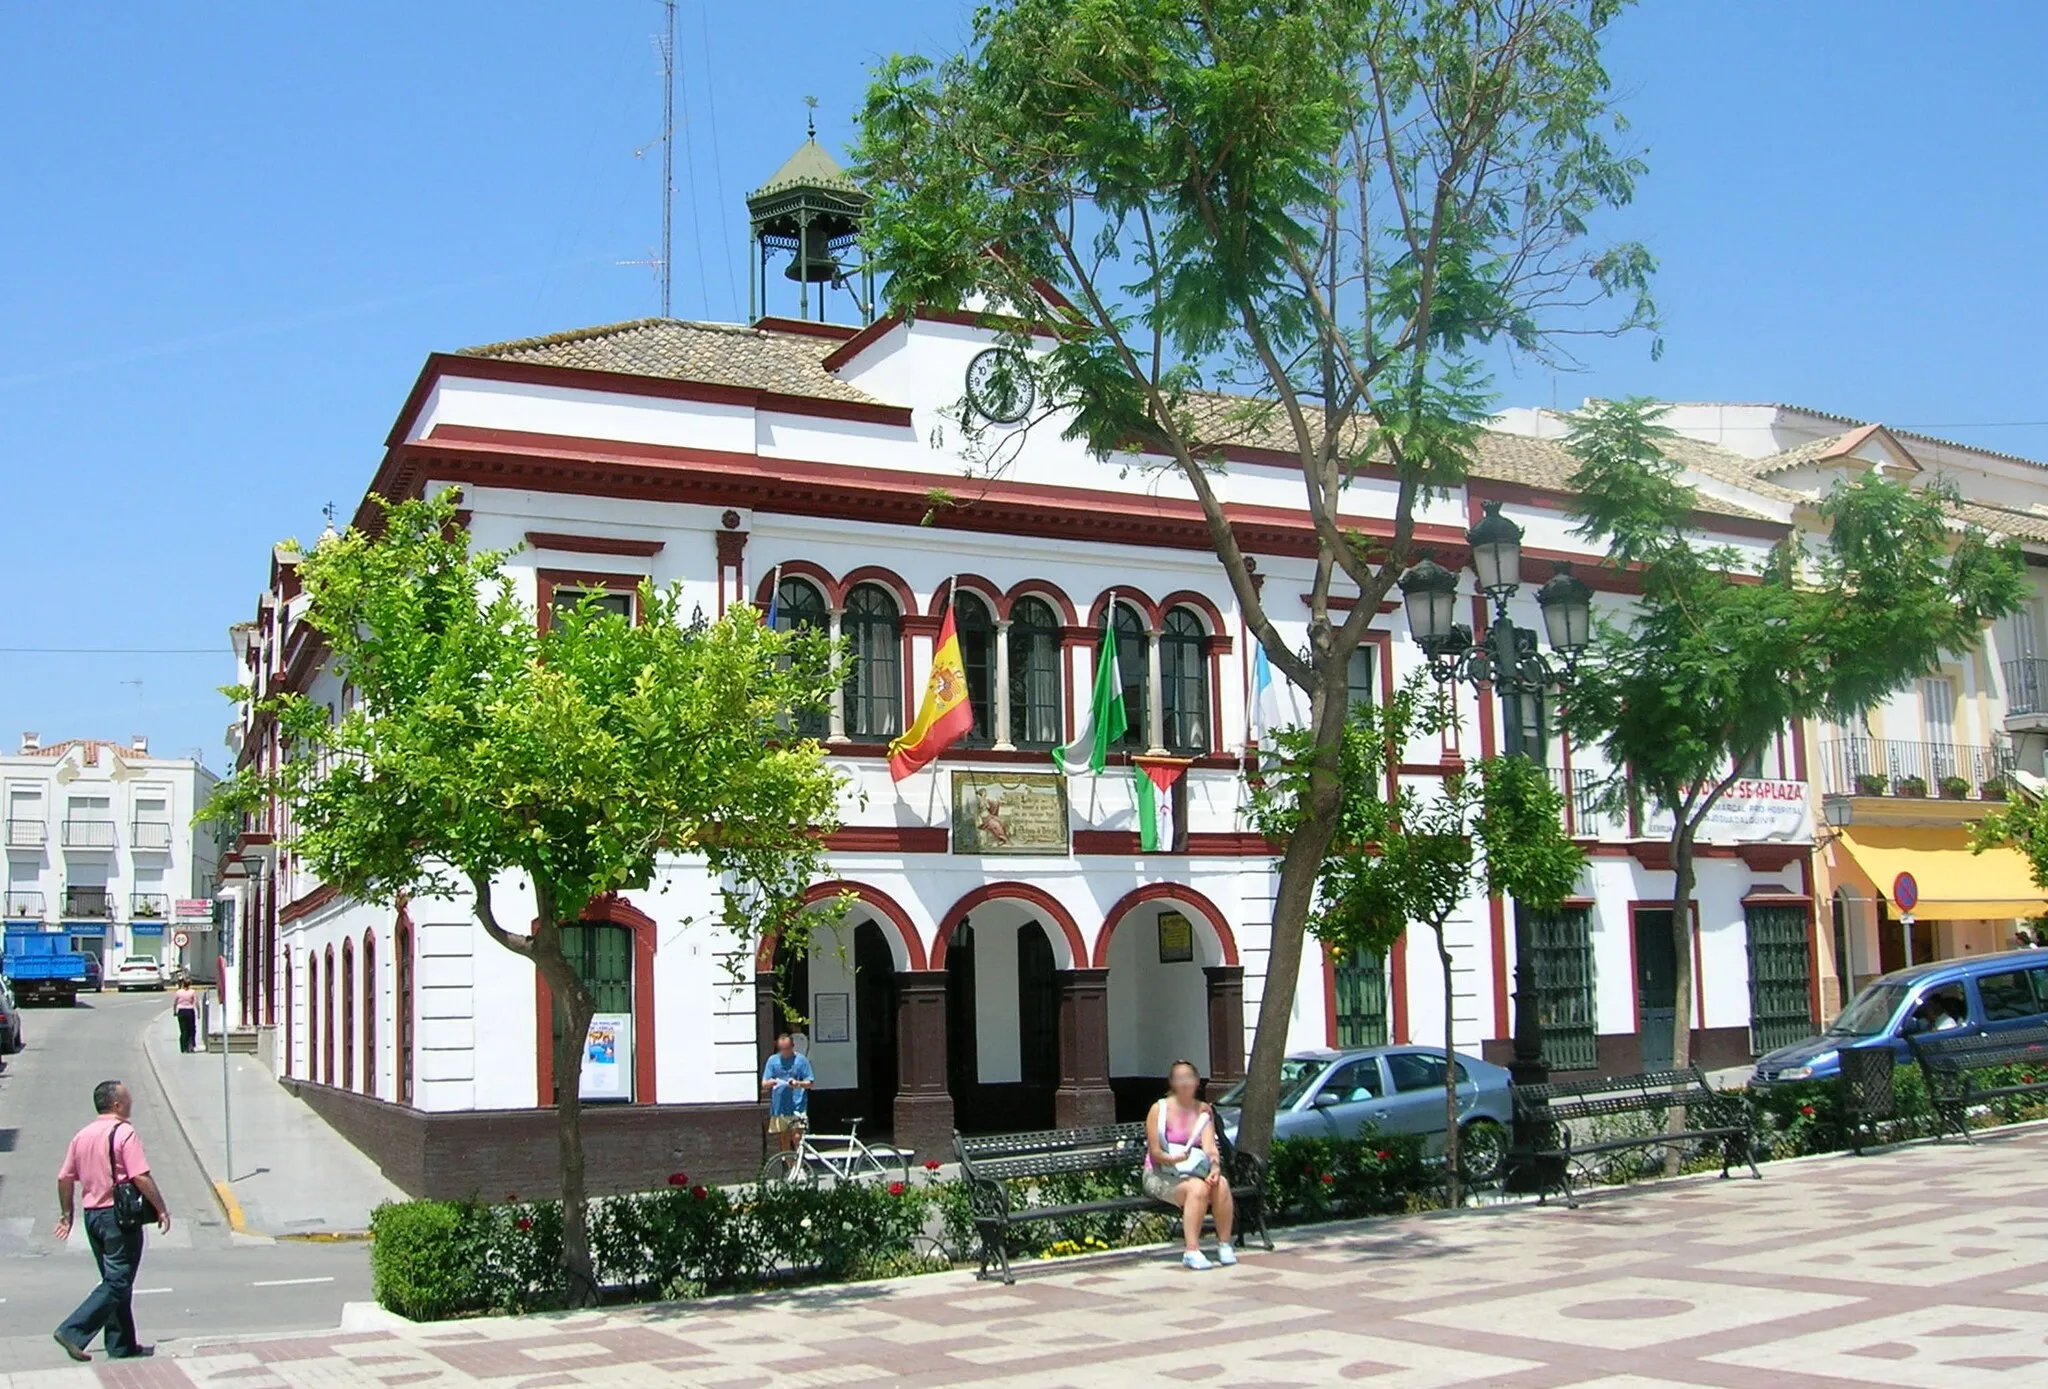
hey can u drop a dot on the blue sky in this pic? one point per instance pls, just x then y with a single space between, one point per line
232 232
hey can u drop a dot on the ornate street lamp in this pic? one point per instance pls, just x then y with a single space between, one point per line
1509 661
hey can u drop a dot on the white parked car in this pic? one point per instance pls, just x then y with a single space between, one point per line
138 973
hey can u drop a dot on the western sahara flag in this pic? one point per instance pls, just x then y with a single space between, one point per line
1152 779
1106 721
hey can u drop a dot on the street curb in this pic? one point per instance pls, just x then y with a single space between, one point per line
231 1208
326 1237
223 1195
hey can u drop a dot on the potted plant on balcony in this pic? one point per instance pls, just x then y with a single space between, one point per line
1955 788
1909 786
1869 784
1994 789
149 908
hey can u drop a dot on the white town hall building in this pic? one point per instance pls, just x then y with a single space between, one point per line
1013 957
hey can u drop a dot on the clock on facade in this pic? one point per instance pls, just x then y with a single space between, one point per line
999 386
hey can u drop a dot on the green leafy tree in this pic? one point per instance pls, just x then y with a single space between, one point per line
1718 656
1403 859
1287 223
480 750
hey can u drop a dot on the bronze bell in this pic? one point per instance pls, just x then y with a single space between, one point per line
815 262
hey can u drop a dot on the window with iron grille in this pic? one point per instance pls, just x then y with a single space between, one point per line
1780 986
1361 980
1563 941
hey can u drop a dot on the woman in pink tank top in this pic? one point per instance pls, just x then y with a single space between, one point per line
1183 1167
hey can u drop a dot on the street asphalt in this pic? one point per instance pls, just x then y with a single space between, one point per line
201 1279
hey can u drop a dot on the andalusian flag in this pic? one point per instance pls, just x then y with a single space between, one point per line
1106 720
945 716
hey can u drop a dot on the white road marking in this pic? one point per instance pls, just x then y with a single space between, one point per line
145 1292
288 1282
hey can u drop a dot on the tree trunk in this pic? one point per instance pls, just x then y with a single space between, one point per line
1300 869
1681 943
1453 1139
573 1008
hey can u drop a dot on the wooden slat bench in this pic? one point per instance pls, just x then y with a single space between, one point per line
989 1163
1550 1114
1956 1066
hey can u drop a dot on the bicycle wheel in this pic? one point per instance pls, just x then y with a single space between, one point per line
787 1169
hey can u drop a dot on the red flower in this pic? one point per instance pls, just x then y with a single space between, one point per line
525 1223
2026 1080
932 1164
679 1179
1329 1179
1807 1110
896 1188
701 1193
1385 1154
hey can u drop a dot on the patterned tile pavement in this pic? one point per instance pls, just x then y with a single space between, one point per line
1925 1267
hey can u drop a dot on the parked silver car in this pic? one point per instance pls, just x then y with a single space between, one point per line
1339 1094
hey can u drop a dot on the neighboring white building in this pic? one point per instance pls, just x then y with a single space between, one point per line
100 845
1899 789
977 982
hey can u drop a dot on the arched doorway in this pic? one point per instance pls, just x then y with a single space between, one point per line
840 994
1010 953
1176 993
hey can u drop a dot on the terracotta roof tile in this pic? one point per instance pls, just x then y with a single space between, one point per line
719 354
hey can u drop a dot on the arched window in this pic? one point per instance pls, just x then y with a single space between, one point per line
976 631
313 1015
1184 682
873 631
1034 674
799 607
402 998
369 1014
1134 662
601 953
327 1020
348 1015
291 1041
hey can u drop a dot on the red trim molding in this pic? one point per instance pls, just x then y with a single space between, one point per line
880 903
1037 897
889 839
593 544
1165 892
307 905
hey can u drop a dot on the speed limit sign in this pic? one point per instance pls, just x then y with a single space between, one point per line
181 939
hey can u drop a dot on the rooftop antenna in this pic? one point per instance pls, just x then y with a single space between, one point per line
665 44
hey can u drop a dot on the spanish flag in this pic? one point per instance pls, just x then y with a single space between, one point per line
945 716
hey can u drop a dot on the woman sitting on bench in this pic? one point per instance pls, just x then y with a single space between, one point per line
1182 1167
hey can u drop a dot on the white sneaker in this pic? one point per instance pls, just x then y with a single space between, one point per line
1225 1255
1194 1259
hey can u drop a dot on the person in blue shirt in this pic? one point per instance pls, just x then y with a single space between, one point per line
786 1081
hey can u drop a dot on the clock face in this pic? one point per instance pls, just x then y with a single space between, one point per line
999 386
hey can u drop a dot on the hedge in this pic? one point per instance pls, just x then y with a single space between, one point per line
436 1259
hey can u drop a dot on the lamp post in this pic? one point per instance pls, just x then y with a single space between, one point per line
1509 661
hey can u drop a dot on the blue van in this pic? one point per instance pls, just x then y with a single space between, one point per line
1985 993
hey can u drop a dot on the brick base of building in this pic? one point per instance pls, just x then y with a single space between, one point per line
499 1151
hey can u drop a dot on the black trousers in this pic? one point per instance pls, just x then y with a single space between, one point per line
110 1306
188 1029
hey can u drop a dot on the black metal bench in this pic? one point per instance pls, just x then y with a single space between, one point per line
990 1163
1548 1119
1955 1066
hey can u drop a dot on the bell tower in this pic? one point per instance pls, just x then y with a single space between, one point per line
809 212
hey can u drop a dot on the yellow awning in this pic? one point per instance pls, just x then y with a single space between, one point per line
1955 884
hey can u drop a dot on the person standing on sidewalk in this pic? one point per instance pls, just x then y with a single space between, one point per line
102 1155
186 1004
786 1081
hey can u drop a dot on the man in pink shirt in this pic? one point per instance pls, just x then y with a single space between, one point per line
103 1153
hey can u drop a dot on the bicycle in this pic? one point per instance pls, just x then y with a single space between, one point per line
851 1160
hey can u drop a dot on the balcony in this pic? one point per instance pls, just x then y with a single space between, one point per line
89 834
1892 781
150 836
88 904
1582 813
24 904
149 906
27 834
2026 695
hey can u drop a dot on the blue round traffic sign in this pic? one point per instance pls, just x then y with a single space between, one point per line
1905 892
